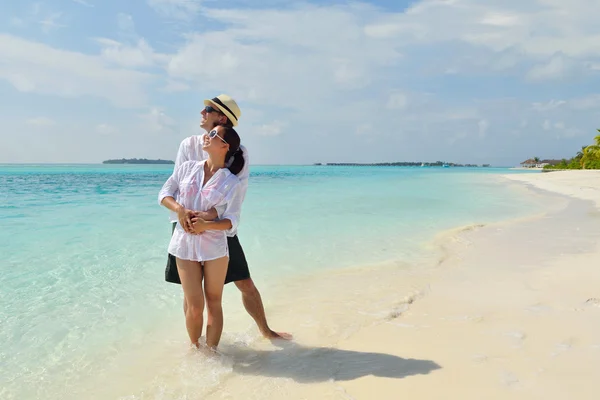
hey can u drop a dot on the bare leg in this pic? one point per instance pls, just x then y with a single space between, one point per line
190 273
254 306
214 280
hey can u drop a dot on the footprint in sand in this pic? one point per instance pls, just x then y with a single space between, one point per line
563 346
517 337
591 302
594 302
509 379
405 304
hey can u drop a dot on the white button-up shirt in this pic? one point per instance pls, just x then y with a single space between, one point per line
191 149
221 190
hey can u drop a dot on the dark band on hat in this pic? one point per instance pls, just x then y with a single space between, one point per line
219 102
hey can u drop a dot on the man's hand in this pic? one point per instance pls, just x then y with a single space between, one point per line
209 215
185 219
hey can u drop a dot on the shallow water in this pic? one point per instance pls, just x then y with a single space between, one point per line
84 248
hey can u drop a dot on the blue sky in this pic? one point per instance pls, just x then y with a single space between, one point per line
329 81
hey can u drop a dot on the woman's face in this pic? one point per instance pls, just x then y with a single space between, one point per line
214 141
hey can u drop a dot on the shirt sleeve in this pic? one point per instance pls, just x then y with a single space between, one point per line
244 174
233 207
171 186
183 154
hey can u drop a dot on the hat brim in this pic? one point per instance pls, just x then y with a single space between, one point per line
224 111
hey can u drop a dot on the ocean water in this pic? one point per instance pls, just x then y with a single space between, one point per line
84 248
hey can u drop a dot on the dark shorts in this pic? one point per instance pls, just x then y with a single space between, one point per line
236 271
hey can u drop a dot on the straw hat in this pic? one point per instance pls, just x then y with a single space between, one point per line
227 106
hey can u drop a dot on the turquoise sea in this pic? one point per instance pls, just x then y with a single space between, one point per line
84 249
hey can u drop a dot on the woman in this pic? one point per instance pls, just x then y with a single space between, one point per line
202 256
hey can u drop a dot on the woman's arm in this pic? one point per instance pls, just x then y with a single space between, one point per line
186 217
166 198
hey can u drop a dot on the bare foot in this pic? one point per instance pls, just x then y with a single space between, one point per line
210 352
271 335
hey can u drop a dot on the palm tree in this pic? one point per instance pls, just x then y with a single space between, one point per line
536 159
591 152
585 156
597 140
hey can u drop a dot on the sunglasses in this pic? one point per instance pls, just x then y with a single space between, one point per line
214 133
210 109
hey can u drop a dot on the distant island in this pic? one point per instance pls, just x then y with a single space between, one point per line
407 164
137 161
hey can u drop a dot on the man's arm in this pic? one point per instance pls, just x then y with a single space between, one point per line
209 215
183 154
244 174
231 214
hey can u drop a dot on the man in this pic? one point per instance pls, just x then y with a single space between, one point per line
222 110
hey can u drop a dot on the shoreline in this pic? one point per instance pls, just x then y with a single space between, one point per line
524 326
502 315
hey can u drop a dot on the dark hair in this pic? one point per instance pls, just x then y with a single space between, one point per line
227 124
235 151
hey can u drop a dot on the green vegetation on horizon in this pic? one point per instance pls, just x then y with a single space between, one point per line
587 158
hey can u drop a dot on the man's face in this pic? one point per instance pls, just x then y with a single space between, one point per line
211 116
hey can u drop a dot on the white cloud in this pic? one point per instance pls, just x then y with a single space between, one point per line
17 22
501 19
397 101
51 22
36 67
175 86
547 125
364 129
555 68
38 14
591 102
176 9
106 129
522 31
483 126
382 30
156 120
140 55
256 52
274 128
551 105
41 122
83 3
126 25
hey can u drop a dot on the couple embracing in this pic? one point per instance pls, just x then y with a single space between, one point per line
205 195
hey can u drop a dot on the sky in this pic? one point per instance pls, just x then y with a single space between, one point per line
467 81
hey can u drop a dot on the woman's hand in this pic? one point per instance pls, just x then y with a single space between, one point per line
185 219
199 225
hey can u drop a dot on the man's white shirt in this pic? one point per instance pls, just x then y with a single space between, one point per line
191 149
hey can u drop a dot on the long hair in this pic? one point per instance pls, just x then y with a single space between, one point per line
234 159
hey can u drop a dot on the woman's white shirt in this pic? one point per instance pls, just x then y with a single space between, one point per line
190 149
222 191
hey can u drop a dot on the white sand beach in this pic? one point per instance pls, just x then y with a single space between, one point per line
512 312
514 315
